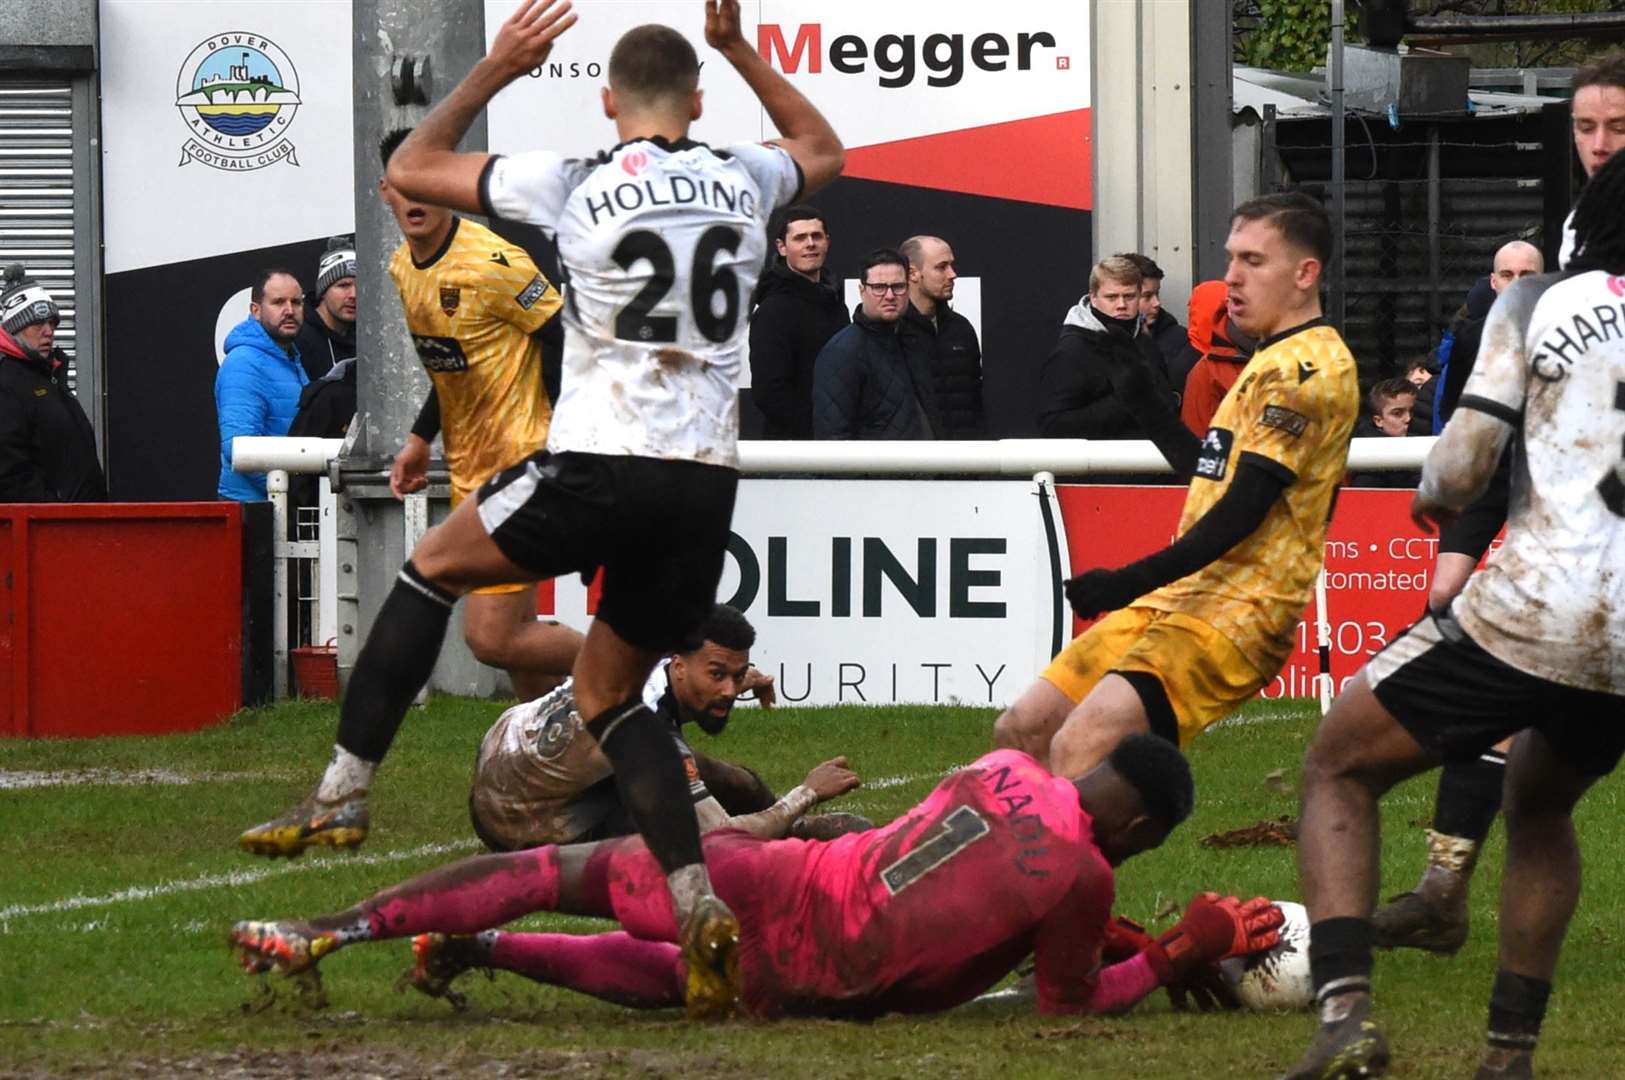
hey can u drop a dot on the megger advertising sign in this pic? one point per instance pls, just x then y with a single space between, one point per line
951 96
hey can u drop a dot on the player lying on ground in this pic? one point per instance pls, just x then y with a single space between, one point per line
1536 639
542 779
641 465
1000 861
1210 619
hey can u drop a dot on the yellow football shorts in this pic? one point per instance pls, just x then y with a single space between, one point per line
1204 674
458 494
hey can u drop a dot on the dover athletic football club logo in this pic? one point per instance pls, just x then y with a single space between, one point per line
238 94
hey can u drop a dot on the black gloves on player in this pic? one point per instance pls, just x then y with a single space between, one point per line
1096 591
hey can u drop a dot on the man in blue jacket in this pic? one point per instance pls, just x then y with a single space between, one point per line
257 389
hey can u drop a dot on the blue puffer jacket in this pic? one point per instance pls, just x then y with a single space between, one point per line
255 393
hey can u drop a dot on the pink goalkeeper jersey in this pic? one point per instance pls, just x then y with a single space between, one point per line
999 861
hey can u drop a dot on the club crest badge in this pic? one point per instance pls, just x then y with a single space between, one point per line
450 297
237 94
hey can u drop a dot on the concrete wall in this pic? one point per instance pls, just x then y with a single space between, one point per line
48 22
1162 136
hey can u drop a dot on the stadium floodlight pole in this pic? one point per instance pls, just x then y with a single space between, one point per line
1334 72
404 53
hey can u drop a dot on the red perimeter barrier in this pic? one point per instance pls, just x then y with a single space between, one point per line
1378 566
120 618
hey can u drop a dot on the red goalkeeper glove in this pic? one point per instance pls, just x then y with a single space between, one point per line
1213 928
1125 939
1204 986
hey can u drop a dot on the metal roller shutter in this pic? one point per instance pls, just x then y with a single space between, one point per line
36 192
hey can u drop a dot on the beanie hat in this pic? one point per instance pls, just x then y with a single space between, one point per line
337 263
23 301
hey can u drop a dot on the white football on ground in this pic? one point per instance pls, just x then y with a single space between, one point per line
1277 978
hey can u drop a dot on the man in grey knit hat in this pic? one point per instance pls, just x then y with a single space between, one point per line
328 335
47 446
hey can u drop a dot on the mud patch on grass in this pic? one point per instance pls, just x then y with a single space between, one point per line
1281 832
342 1061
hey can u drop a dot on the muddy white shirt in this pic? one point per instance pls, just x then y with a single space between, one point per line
662 243
1551 600
539 778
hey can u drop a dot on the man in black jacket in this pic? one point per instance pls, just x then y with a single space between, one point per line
943 341
798 309
328 333
1173 341
866 385
47 447
1075 397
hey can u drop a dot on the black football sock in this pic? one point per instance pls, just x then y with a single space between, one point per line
649 777
1469 796
1339 962
1517 1007
394 664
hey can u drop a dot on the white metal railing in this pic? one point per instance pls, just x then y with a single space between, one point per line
1004 457
1039 459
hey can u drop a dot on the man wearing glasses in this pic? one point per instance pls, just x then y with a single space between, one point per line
864 386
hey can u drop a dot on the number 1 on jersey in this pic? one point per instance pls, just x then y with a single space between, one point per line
958 831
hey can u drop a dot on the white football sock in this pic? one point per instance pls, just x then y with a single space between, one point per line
688 884
346 775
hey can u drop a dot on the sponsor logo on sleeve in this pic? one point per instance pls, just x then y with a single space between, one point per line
1283 419
531 293
1214 460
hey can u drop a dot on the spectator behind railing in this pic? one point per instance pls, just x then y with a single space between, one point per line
798 308
1220 350
1172 340
865 383
47 447
1513 260
327 335
256 391
941 340
1389 406
327 349
1075 397
1420 374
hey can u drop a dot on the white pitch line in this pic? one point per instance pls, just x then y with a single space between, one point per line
881 783
232 879
22 779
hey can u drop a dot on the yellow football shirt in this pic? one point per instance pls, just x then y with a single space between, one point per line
1292 412
471 310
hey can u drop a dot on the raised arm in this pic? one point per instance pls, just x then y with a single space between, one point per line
1488 413
807 136
427 166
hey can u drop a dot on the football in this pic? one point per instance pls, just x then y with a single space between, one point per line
1277 978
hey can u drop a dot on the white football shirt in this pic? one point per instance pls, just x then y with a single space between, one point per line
662 243
1551 600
